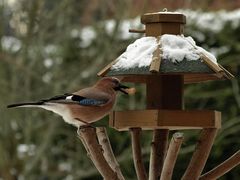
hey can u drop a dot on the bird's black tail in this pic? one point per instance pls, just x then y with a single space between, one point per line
25 104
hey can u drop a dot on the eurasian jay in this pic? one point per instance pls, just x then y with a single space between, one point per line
84 106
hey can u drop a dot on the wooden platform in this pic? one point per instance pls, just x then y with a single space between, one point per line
165 119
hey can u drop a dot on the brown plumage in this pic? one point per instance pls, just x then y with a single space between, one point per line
84 106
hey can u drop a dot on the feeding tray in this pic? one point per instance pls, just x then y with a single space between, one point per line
165 119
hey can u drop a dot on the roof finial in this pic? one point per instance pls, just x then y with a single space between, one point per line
164 10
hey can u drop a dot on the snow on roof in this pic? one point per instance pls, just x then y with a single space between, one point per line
174 48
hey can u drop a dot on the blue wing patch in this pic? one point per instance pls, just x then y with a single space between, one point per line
92 102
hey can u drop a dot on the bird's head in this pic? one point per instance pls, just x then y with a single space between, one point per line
113 83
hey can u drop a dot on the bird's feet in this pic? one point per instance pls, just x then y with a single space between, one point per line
82 127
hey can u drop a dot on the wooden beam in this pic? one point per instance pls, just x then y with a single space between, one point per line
219 71
171 156
163 92
222 168
200 154
156 59
105 70
227 74
137 155
162 119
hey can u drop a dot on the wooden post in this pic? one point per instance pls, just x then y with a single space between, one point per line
137 155
107 151
222 168
200 154
88 135
163 92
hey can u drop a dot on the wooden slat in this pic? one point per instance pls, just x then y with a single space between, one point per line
188 77
165 119
196 77
227 74
212 65
104 71
156 60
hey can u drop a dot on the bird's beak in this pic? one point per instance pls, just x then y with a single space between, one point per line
121 88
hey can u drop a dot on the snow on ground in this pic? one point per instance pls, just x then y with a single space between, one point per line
174 48
212 21
10 43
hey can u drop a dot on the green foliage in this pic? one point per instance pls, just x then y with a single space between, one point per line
50 54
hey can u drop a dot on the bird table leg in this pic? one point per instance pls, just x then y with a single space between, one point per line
158 153
88 135
223 168
171 156
137 155
200 154
107 151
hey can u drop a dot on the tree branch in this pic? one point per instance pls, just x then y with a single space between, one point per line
107 151
171 157
88 136
223 168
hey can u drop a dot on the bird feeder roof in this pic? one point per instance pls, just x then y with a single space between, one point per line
165 54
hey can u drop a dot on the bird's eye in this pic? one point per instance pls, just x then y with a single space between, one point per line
115 81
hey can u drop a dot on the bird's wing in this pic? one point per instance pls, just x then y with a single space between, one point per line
92 97
84 97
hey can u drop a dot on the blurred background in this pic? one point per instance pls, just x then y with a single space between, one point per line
58 46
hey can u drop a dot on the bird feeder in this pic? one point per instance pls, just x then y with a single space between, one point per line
164 59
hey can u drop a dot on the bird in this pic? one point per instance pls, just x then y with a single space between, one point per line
85 106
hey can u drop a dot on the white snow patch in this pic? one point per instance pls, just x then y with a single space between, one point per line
50 49
10 43
138 54
129 24
48 62
212 21
164 12
65 166
87 34
47 77
174 48
26 149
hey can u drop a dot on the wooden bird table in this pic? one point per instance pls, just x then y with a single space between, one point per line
165 111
